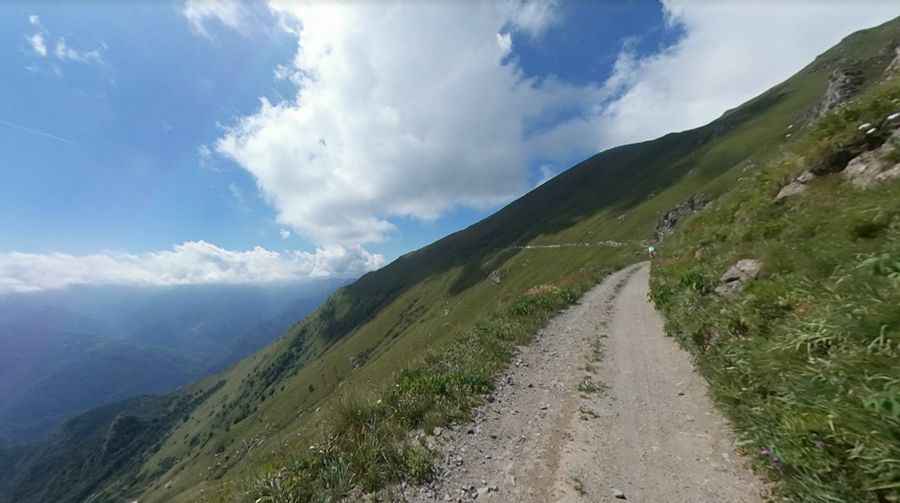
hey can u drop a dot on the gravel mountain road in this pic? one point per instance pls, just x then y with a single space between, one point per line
602 406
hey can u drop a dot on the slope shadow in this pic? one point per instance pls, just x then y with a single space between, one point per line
621 177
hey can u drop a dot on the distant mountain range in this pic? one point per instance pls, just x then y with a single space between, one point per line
67 351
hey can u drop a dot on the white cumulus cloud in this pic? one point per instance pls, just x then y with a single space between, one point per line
190 263
730 52
398 116
410 110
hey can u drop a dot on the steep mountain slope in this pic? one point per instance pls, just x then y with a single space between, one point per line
801 340
329 405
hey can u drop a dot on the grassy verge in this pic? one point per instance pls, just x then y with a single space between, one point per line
370 443
806 360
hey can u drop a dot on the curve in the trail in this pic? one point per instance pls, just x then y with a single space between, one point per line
601 407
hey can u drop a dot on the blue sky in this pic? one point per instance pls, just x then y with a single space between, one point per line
133 134
129 178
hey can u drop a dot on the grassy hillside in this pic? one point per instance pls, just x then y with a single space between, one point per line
805 359
415 344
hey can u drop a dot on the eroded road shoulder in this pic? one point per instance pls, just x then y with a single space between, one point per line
601 407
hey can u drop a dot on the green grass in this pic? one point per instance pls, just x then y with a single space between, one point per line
588 386
657 176
427 333
369 446
578 485
806 361
440 294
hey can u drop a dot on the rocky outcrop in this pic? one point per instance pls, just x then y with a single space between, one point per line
893 68
871 136
871 159
737 276
843 84
670 219
875 166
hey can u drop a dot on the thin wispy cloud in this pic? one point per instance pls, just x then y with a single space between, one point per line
238 196
200 13
205 158
37 44
39 41
547 171
37 132
65 53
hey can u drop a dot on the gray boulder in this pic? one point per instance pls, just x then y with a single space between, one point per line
791 189
875 166
737 276
797 186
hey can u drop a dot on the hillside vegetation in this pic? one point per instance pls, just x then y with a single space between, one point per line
330 409
805 358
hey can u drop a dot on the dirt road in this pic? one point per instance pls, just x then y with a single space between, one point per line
601 407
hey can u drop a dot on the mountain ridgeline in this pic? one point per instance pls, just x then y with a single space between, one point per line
326 410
